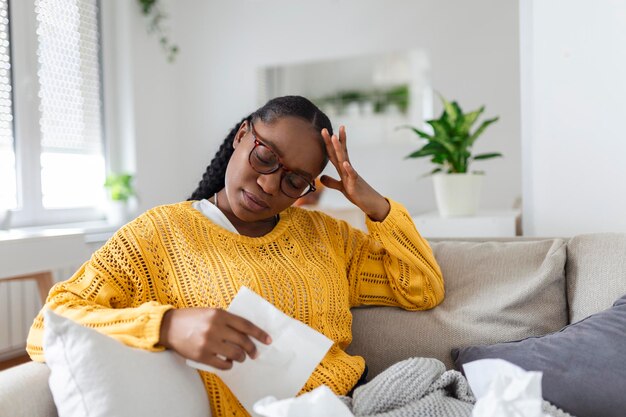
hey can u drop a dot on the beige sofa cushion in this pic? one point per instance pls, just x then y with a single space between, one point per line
495 292
24 391
596 273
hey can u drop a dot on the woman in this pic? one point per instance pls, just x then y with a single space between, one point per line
164 279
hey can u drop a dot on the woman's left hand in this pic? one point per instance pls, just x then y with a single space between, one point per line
351 184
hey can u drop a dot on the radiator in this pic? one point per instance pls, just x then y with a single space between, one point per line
19 305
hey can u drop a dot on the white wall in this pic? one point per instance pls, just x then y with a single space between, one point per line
141 113
182 111
473 48
574 107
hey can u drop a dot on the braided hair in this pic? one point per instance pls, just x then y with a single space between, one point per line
213 178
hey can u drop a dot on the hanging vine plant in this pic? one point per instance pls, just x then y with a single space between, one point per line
152 11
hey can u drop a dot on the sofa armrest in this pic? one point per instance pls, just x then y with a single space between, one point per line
24 391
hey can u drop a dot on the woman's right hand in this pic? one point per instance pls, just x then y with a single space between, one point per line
201 334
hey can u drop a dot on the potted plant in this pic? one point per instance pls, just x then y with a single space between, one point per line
120 190
457 190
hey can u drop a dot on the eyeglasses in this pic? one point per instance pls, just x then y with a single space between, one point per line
264 161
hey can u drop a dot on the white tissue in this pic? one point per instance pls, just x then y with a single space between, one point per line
503 389
321 402
281 368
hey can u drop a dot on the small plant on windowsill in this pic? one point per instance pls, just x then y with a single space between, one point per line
120 186
120 190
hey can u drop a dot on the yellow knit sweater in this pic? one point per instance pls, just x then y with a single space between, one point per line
310 266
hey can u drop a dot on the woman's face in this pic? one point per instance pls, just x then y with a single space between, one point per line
297 144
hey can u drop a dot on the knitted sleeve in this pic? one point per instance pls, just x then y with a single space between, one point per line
113 293
392 265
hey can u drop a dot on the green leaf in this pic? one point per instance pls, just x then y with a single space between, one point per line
431 148
146 6
450 110
470 119
441 135
487 155
457 140
460 117
458 161
480 130
119 186
445 146
440 127
421 152
418 132
439 159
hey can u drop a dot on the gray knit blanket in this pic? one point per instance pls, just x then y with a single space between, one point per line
419 387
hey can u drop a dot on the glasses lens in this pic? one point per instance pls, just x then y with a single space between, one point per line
263 159
295 185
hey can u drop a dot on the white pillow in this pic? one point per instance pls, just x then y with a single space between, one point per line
95 375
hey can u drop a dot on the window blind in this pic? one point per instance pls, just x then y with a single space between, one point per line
8 198
69 76
72 157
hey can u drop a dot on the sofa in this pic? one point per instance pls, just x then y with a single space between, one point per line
497 290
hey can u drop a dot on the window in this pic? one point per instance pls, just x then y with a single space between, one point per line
52 170
8 196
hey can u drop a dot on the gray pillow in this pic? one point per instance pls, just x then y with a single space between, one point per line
583 364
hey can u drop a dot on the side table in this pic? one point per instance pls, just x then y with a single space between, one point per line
486 223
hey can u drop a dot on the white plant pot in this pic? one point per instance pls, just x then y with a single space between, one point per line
118 212
457 194
5 219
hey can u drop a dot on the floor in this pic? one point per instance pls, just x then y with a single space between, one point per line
9 363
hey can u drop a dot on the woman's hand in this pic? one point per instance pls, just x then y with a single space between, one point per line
201 334
359 192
